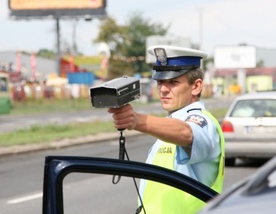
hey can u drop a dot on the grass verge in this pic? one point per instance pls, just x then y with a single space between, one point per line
47 133
49 105
44 134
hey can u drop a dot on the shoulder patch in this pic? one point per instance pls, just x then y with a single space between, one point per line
199 120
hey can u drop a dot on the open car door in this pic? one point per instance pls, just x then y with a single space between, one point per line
57 167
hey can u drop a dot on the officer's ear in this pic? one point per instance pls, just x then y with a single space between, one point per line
197 87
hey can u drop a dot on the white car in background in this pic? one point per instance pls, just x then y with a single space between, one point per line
249 127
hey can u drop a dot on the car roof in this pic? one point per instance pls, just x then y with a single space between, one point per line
258 95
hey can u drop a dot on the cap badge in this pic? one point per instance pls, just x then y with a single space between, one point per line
161 56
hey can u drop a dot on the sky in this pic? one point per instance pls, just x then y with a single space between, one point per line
223 22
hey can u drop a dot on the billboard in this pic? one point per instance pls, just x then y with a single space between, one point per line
235 57
60 8
98 65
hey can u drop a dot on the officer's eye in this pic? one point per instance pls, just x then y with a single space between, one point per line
167 82
173 81
160 82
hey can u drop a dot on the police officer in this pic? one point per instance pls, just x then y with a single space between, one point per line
189 139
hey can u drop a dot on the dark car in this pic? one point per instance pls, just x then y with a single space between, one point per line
57 167
254 195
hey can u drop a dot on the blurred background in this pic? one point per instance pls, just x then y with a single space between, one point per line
53 50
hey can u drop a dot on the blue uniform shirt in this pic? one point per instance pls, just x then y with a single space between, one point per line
200 161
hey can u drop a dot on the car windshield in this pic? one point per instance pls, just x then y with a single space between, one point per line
254 108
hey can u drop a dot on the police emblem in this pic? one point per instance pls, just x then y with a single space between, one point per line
161 56
197 119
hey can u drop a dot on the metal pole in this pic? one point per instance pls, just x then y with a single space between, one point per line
75 50
200 10
58 46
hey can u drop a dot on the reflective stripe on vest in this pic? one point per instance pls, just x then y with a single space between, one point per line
163 199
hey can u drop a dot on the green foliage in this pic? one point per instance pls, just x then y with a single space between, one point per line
206 61
45 53
138 29
48 133
218 113
119 68
52 132
260 63
50 105
128 40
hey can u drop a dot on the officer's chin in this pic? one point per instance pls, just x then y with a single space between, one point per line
168 108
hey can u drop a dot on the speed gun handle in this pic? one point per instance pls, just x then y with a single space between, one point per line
122 141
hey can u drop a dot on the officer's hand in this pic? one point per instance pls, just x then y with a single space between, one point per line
124 117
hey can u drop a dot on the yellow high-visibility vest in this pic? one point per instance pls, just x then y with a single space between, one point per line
163 199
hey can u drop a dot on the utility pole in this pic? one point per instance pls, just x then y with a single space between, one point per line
58 46
74 35
200 11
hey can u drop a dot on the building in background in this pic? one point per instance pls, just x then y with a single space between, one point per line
35 77
241 69
17 62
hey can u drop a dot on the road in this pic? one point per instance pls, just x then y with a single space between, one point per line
21 179
10 123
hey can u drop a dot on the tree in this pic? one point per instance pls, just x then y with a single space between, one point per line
45 53
128 43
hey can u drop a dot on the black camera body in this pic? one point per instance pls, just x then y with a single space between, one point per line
115 93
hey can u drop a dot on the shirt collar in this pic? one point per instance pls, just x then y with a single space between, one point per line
195 105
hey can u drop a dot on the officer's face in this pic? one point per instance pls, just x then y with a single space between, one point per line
175 93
